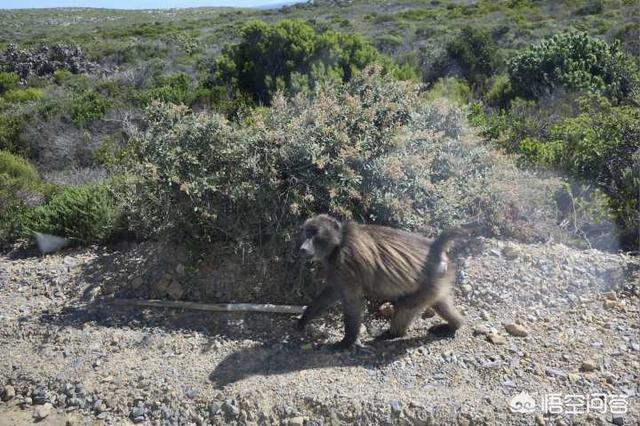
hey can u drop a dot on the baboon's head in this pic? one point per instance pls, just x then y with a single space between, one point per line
322 234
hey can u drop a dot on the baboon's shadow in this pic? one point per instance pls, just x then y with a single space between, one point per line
281 359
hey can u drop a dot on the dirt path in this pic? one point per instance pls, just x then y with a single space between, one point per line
96 365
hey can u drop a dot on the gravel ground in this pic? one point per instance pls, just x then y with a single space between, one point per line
542 319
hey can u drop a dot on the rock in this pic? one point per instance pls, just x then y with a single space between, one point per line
618 421
496 339
396 407
516 330
98 406
485 315
296 421
214 408
539 419
428 313
610 304
40 396
137 414
588 365
481 330
8 393
41 412
175 290
386 310
555 372
230 409
137 283
180 269
467 289
510 251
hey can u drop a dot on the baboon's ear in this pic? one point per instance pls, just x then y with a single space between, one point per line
335 223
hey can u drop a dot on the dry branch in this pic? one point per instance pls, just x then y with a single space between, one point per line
212 307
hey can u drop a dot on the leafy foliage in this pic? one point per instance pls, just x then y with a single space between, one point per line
90 106
476 53
575 61
368 150
289 55
86 214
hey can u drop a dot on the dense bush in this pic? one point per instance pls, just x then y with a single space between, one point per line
586 137
600 145
289 55
85 214
23 95
88 107
178 88
44 60
575 61
476 53
20 189
368 150
8 80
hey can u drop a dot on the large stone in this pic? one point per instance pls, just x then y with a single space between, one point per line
516 330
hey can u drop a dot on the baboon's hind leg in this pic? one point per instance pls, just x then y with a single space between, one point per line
400 322
444 307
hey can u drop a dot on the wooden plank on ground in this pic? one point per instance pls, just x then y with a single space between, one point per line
212 307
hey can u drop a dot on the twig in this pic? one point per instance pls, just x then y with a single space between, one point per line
213 307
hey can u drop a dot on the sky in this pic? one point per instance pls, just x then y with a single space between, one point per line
134 4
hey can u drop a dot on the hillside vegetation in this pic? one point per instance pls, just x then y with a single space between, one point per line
246 121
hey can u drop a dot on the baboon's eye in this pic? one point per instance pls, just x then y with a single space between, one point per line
310 232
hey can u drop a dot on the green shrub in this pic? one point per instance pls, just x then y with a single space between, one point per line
602 145
20 189
89 107
24 95
178 88
454 89
476 53
388 42
499 93
592 7
86 214
8 80
17 168
11 125
575 61
629 38
369 150
289 55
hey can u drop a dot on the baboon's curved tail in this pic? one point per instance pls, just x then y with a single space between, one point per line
434 275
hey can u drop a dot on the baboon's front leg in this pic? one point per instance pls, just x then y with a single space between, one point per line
352 307
326 298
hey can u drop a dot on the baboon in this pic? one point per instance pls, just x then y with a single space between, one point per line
369 261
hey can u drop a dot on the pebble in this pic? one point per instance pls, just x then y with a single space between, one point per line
588 365
296 421
230 409
539 419
496 339
516 330
466 289
481 330
8 393
42 411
